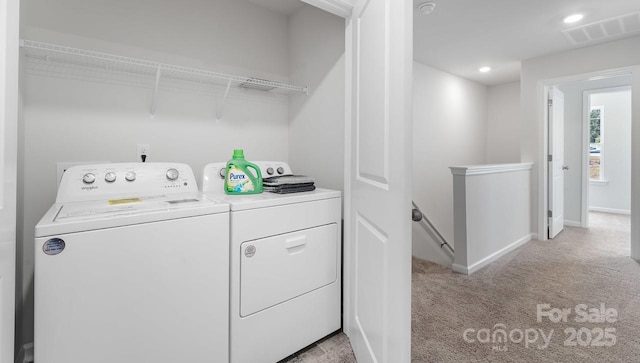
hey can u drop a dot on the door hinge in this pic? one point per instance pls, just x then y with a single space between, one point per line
549 157
550 102
549 214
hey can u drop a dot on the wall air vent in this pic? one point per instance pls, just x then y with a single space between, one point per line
608 29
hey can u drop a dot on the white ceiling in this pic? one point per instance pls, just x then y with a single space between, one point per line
462 35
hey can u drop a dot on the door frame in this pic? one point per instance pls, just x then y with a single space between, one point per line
9 106
586 183
551 122
543 170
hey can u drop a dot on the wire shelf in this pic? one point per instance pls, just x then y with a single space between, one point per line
67 62
110 62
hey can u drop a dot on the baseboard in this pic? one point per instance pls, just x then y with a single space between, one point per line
460 269
572 223
468 270
610 210
25 355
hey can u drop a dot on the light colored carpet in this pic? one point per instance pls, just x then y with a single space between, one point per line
580 266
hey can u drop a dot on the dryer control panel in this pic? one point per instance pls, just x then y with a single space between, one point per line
121 180
214 173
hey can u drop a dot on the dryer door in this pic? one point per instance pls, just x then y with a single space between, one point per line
279 268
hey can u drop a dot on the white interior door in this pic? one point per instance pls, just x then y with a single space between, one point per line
378 180
9 15
556 163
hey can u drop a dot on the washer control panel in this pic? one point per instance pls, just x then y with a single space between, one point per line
99 181
214 173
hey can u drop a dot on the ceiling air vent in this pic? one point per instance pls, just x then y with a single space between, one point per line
607 29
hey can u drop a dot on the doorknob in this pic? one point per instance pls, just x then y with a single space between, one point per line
565 167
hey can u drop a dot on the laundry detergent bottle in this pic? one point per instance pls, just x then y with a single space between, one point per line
242 177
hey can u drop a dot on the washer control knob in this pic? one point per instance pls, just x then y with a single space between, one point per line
172 174
280 170
110 177
223 172
270 170
130 176
89 178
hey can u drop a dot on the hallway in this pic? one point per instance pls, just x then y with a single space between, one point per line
580 266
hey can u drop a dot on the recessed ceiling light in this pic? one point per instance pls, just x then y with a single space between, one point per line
484 69
573 18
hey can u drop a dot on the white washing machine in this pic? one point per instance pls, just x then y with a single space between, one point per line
131 265
285 267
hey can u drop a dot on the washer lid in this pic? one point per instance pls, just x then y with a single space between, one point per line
82 216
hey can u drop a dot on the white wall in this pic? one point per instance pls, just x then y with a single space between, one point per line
86 119
503 123
571 66
492 212
574 124
615 195
221 35
449 128
316 130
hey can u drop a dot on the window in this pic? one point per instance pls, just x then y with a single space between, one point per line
596 167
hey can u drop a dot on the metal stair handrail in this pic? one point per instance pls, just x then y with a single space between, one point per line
418 216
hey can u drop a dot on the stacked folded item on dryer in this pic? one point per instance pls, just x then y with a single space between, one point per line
285 184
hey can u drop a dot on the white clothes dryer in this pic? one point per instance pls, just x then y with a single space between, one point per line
285 267
131 265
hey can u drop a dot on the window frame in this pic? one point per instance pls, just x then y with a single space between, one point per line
601 175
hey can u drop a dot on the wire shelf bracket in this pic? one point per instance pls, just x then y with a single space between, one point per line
220 110
154 99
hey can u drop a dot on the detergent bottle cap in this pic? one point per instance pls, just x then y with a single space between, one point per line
238 154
